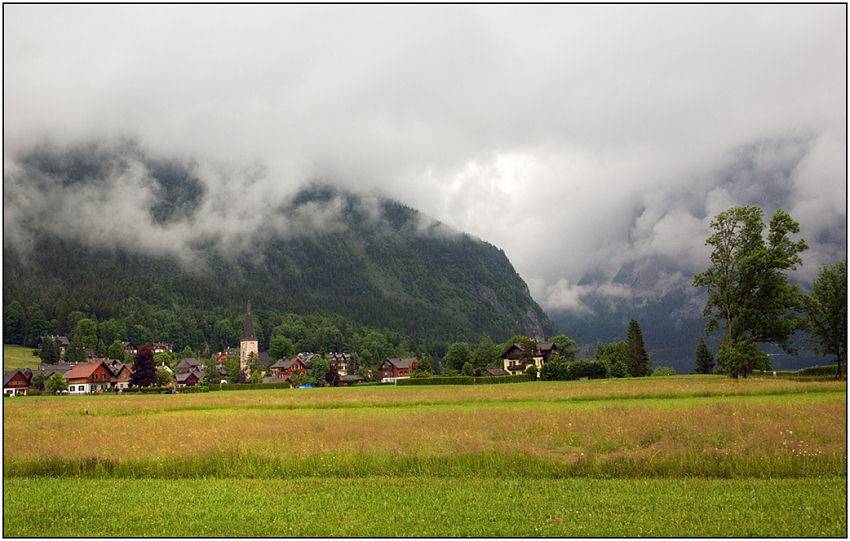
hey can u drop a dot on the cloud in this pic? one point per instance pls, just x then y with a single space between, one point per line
580 139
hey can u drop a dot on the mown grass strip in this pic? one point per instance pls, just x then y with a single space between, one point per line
222 465
426 507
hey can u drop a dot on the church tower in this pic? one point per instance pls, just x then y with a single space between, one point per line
248 345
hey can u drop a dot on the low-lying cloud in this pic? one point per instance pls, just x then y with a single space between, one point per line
583 140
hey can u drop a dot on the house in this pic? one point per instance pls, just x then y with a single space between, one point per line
89 378
190 378
339 361
160 347
498 372
514 364
16 383
121 377
129 347
187 363
350 379
288 366
61 340
394 369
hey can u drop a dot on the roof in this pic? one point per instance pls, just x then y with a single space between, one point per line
404 362
498 372
84 370
248 332
183 376
352 377
286 363
9 375
186 363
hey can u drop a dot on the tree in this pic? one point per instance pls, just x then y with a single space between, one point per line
55 383
144 369
50 351
705 360
233 372
423 367
318 370
38 380
742 357
468 369
116 350
36 326
163 377
485 355
457 355
613 352
14 323
86 333
280 347
826 313
555 369
566 346
637 359
748 290
75 353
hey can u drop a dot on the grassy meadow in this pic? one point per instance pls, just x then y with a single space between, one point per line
15 357
672 456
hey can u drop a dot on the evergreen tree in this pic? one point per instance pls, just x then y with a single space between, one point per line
637 359
486 355
75 353
49 351
14 323
144 368
705 360
36 326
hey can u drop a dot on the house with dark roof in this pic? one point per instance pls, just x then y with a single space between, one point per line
16 383
514 363
288 366
190 378
339 361
61 340
187 363
399 368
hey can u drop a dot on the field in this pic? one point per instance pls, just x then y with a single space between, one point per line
673 456
15 357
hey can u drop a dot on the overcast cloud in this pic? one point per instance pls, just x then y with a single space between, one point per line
577 138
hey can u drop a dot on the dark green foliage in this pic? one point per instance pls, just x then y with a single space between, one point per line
555 369
664 371
14 323
50 351
75 353
612 352
619 369
458 355
486 355
280 347
637 359
531 371
826 313
705 360
742 357
233 370
144 369
588 368
37 325
55 383
468 369
37 381
818 370
566 346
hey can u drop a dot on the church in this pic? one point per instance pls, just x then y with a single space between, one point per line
248 345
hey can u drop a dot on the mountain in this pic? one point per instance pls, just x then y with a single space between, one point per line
366 260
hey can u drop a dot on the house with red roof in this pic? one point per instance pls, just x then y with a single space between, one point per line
89 377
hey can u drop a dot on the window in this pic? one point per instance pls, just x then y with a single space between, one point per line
71 388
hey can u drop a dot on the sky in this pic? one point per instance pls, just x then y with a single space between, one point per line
581 140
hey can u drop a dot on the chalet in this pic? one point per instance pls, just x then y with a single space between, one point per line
288 366
190 378
514 363
394 369
129 347
121 377
16 383
160 347
340 362
187 363
61 340
89 378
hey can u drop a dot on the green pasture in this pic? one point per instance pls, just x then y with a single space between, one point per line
425 507
15 357
684 456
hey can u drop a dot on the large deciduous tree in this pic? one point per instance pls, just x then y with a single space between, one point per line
826 313
144 368
748 290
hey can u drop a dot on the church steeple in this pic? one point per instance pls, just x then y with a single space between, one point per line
249 346
248 332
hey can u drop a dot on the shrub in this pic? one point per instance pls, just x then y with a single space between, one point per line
664 371
588 368
818 370
531 371
194 389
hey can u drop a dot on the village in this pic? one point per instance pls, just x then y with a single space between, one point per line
104 375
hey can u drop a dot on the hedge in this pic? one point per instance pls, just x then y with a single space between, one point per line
829 370
464 380
247 386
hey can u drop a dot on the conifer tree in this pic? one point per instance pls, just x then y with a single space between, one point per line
637 359
49 351
705 360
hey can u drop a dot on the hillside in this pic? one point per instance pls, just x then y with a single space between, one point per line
369 261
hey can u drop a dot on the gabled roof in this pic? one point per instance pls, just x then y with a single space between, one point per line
498 372
248 331
85 370
9 375
287 362
404 362
186 363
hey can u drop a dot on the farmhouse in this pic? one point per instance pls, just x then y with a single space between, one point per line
89 378
16 383
395 369
290 365
515 364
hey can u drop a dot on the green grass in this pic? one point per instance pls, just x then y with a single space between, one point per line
15 357
426 507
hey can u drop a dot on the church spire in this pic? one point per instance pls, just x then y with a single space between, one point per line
248 332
